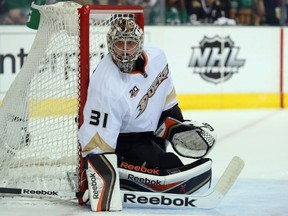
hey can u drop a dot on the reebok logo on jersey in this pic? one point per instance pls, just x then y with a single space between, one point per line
151 91
134 91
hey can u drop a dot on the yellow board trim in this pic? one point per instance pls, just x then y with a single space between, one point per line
69 106
53 107
229 101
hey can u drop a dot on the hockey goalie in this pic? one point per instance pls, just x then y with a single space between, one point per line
130 116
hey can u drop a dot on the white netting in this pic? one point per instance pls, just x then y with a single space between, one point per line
38 128
38 132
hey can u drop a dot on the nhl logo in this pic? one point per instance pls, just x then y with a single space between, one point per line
215 60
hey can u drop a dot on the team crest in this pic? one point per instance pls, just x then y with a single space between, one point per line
142 105
215 60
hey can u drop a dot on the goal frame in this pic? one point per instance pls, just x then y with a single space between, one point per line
70 37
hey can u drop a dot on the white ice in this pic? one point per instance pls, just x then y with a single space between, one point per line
257 136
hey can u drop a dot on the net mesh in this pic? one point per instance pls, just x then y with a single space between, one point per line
39 147
38 132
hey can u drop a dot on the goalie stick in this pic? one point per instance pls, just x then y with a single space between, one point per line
132 199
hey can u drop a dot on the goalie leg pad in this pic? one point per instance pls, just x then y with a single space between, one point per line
193 178
103 182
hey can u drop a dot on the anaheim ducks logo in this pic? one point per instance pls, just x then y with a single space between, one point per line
151 91
215 60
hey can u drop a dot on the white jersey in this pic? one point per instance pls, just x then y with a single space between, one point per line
125 103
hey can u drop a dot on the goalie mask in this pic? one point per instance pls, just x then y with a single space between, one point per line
125 40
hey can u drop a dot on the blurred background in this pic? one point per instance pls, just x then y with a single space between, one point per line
227 59
177 12
223 54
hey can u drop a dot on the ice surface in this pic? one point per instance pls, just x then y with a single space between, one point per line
257 136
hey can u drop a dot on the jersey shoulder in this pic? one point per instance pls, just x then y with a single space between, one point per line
107 81
153 52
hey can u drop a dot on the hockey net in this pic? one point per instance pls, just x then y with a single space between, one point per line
42 110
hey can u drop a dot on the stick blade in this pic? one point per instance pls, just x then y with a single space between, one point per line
230 175
223 185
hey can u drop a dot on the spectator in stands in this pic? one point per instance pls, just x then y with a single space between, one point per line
51 1
117 2
84 2
193 8
207 11
175 12
128 2
272 12
268 11
242 11
146 4
286 12
18 10
81 2
4 18
259 12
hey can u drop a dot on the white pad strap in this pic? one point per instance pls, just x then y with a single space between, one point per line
103 182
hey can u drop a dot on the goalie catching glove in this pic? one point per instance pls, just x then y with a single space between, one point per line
189 139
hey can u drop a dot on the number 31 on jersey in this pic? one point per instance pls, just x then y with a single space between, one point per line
98 119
